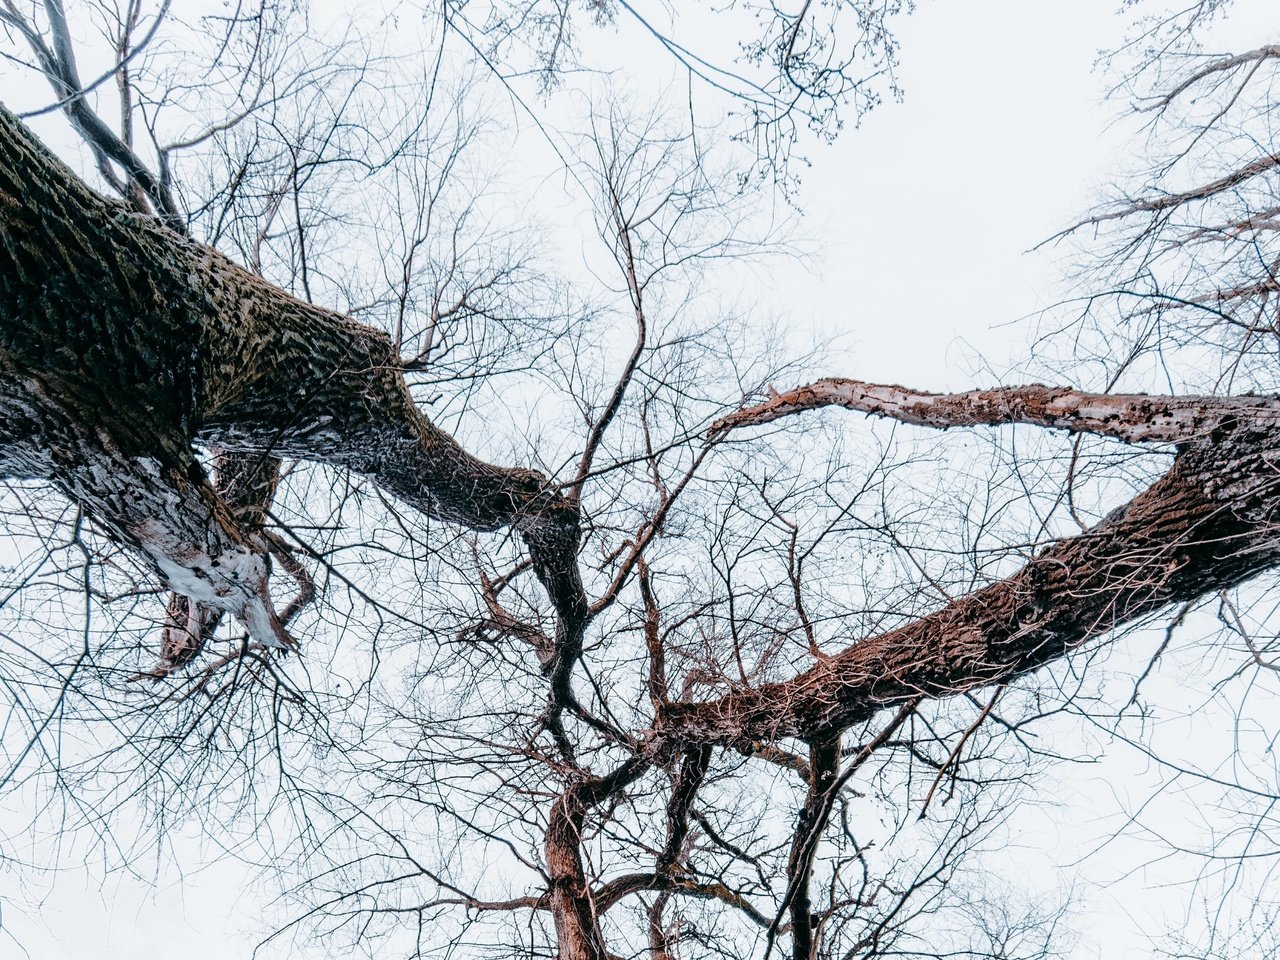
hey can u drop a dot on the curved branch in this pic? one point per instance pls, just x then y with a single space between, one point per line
1214 68
1134 418
1169 201
1209 523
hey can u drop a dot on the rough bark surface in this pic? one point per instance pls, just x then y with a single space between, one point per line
1130 417
123 343
246 482
1207 524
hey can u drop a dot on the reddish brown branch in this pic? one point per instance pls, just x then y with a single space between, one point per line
1207 524
573 905
1130 417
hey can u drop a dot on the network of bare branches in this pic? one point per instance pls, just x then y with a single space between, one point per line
705 673
785 73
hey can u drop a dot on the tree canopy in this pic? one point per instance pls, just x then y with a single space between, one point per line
502 607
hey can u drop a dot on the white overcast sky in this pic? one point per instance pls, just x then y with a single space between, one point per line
923 218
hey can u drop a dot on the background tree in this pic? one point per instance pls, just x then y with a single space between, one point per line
728 691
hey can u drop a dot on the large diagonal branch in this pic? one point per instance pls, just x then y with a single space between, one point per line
1215 68
1130 417
1209 523
122 342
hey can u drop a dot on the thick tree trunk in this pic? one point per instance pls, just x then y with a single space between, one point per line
578 933
122 344
575 909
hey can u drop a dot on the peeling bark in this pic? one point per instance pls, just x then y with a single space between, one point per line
247 483
1134 418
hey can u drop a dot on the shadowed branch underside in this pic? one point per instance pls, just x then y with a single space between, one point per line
122 344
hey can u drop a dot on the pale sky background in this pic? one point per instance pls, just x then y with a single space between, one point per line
924 217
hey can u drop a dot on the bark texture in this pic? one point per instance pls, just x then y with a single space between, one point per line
123 343
246 482
1209 523
1131 417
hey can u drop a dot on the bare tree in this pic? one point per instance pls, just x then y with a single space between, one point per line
697 685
